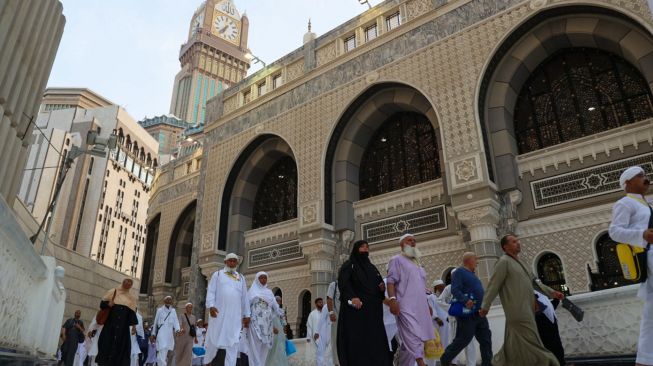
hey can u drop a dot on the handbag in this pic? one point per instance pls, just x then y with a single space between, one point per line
290 348
192 331
199 351
102 315
459 310
433 348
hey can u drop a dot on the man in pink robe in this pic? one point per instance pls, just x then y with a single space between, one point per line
408 301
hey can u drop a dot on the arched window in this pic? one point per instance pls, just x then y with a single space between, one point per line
609 273
579 92
403 152
550 271
305 306
276 198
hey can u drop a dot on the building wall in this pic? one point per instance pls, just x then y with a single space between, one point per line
448 61
31 35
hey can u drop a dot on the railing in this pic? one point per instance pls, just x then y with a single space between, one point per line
33 297
425 193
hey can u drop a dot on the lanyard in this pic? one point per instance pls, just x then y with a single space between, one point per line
638 199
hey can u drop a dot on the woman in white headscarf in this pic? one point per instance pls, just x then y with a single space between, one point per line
261 330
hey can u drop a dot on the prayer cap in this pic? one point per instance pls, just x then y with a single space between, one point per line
231 256
629 174
188 303
407 235
437 283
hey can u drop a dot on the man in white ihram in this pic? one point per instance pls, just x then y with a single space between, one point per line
228 304
632 223
166 326
318 332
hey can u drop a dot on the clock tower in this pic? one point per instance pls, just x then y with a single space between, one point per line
212 59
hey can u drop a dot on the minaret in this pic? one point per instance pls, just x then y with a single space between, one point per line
211 60
309 36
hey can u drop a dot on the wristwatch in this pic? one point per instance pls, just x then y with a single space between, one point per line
332 312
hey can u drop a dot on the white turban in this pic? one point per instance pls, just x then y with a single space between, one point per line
629 174
407 235
231 256
437 283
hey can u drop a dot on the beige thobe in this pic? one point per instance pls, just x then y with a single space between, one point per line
184 343
522 344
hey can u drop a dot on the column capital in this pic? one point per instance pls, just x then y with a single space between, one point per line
482 213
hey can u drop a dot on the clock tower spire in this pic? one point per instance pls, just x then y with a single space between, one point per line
211 60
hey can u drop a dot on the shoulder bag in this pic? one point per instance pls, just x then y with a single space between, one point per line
191 332
103 314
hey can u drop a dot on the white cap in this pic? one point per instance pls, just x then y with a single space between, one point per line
231 256
629 174
437 283
188 303
407 235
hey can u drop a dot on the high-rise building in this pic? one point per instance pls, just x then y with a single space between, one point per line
213 58
102 206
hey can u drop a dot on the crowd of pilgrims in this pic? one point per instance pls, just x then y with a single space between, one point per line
369 319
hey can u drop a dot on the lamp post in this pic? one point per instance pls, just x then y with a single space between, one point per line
255 59
100 145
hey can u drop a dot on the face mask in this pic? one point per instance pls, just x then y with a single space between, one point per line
364 254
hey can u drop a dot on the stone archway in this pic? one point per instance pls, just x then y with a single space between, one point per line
352 135
526 48
243 183
181 245
151 241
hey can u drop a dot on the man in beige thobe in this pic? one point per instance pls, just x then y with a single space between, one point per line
184 341
513 282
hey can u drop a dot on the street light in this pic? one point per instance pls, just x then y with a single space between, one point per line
251 57
365 2
100 147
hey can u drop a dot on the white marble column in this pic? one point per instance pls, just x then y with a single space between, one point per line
320 253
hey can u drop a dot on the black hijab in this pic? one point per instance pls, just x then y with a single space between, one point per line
363 270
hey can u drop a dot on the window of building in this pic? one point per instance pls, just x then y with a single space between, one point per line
550 271
393 21
277 81
90 166
350 43
262 89
247 96
403 152
609 274
579 92
371 33
276 198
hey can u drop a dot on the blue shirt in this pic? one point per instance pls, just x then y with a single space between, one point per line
465 285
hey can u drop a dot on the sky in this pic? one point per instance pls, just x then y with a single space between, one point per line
128 50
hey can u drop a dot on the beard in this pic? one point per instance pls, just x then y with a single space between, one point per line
411 252
230 270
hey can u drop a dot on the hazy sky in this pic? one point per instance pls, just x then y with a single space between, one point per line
128 50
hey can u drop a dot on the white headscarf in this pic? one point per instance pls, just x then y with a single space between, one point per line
261 291
629 174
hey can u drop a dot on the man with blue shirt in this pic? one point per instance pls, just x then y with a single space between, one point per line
467 288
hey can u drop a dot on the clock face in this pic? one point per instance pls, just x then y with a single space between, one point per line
198 22
226 28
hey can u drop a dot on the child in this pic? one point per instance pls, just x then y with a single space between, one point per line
151 353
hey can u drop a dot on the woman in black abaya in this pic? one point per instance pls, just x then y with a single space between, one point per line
114 345
361 334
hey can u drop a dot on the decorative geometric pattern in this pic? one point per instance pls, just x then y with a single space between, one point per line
585 183
573 247
276 199
578 92
274 254
403 152
326 54
417 222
